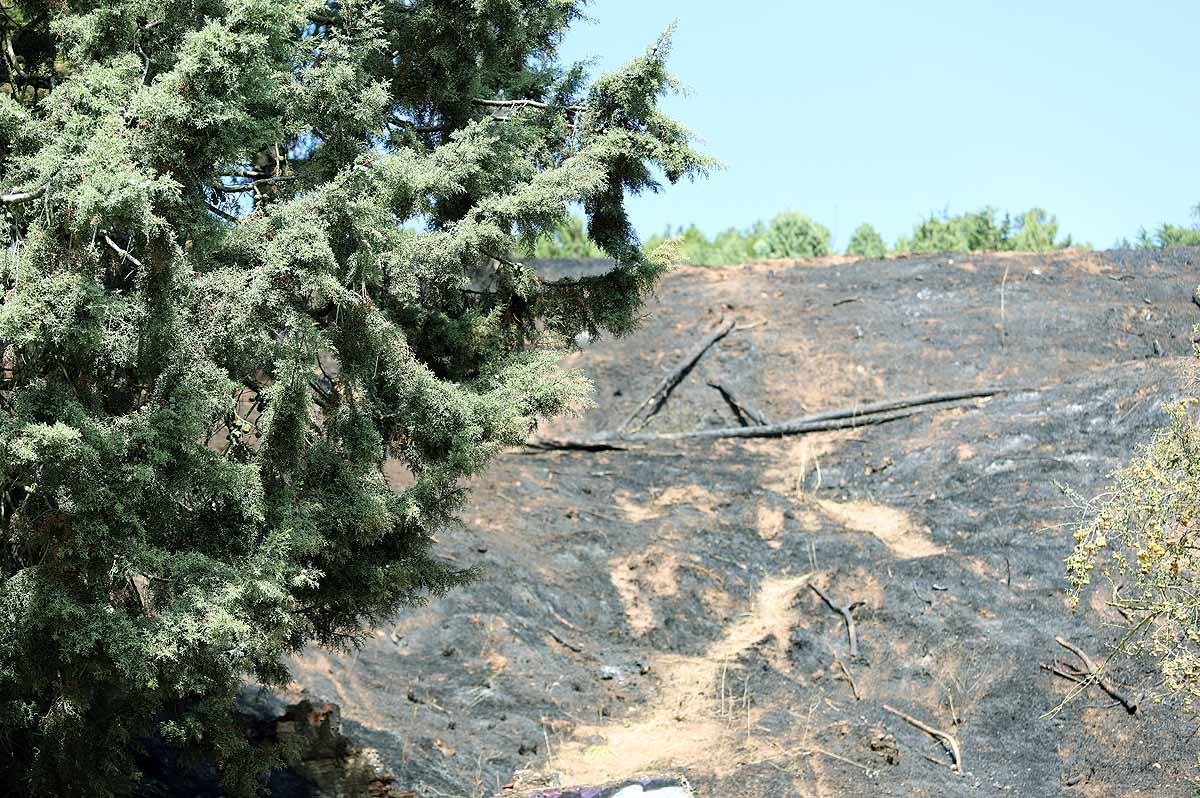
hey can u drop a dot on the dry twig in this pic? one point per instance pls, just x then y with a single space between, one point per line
1058 669
948 741
1093 676
123 253
849 678
847 613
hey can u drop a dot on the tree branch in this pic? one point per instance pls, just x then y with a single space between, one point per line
229 217
24 196
847 613
654 402
740 409
949 741
527 104
861 416
254 184
124 253
1093 674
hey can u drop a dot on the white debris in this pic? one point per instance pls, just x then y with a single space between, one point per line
637 791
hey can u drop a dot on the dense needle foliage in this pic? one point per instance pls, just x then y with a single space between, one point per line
793 235
255 248
866 242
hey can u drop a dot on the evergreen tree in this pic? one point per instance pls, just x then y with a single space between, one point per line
1035 231
1171 235
866 243
245 240
985 231
793 235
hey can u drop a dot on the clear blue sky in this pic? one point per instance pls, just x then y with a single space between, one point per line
881 111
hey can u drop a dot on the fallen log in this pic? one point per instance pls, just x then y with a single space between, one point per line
860 416
898 404
654 402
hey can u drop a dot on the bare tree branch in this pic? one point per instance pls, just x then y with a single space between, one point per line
254 184
24 196
948 741
229 217
654 402
527 104
124 253
861 416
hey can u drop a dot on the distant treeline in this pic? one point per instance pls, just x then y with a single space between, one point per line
1165 235
794 235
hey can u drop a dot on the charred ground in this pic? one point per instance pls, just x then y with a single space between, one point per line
651 609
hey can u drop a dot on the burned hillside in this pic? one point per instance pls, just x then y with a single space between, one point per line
676 606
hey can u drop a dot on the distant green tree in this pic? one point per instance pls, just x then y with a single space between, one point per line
793 235
973 232
694 247
1034 231
866 243
734 247
568 239
985 231
1171 235
730 247
241 240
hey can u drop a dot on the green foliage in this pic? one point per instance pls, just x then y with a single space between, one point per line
866 243
241 245
567 240
730 247
1140 537
1034 231
985 231
793 235
969 232
789 235
1171 235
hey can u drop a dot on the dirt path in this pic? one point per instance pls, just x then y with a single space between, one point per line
697 717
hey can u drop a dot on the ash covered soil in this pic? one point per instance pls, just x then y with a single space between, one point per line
651 610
